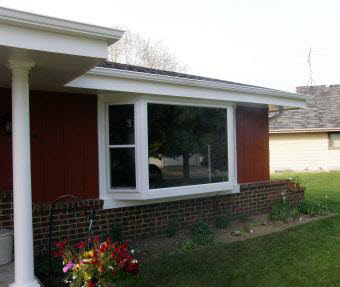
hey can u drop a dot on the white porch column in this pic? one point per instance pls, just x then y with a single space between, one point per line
22 195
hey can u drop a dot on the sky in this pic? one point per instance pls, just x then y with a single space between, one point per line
259 42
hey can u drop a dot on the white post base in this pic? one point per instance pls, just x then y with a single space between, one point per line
34 283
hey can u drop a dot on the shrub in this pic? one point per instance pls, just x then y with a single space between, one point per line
313 208
222 221
187 245
201 232
116 233
172 228
103 264
242 217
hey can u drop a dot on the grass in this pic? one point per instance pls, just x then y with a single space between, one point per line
307 255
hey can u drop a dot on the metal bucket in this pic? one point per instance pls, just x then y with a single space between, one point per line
6 246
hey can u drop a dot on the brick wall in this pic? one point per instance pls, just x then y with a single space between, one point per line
146 220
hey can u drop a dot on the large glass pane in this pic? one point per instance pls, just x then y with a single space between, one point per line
122 168
187 145
121 124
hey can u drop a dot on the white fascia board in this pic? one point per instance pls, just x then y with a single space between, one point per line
52 24
311 130
106 79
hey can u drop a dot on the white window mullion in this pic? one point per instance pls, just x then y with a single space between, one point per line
142 166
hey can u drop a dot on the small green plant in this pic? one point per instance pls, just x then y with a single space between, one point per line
202 233
313 208
222 221
242 217
295 213
172 228
115 233
187 245
281 210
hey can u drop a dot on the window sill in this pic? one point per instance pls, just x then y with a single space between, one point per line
175 191
117 200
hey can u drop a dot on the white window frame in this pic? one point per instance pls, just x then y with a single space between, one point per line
142 191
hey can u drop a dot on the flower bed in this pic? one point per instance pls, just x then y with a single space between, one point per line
96 263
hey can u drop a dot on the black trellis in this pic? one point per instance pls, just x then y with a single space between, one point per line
90 215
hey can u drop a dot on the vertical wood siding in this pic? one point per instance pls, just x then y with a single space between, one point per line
64 153
252 138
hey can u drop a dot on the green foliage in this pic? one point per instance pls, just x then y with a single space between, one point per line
313 208
187 245
222 221
295 213
281 210
172 228
202 234
116 233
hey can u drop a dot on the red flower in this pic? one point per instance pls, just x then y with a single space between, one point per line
91 284
81 245
133 267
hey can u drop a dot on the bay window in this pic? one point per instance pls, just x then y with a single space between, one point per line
156 149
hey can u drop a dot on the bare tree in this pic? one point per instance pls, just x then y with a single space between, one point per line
133 49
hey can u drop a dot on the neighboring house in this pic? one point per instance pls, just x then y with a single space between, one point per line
73 123
308 139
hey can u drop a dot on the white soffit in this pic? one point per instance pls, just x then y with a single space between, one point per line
106 80
61 49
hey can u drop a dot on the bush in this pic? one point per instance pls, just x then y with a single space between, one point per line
171 229
222 221
313 208
201 232
187 245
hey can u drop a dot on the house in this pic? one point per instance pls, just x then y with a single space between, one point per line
308 139
73 123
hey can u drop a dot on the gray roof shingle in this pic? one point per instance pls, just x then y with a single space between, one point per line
126 67
322 111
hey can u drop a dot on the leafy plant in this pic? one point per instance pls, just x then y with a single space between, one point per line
187 245
281 210
172 228
202 233
116 233
222 221
313 208
295 213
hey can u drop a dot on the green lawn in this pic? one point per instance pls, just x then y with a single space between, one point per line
307 255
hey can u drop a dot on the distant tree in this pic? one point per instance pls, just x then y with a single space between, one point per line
176 131
136 50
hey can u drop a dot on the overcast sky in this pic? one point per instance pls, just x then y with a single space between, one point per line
260 42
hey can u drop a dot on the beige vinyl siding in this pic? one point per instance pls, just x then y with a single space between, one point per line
302 151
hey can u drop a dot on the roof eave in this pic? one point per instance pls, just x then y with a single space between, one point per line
52 24
192 82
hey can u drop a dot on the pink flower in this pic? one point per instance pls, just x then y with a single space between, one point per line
68 266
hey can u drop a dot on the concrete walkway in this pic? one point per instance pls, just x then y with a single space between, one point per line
6 274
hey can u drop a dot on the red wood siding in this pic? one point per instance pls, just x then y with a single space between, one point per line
252 137
64 151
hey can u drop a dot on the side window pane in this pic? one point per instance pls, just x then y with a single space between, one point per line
122 168
187 145
121 124
335 140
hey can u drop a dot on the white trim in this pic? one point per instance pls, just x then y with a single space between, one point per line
52 24
110 80
109 72
142 192
311 130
